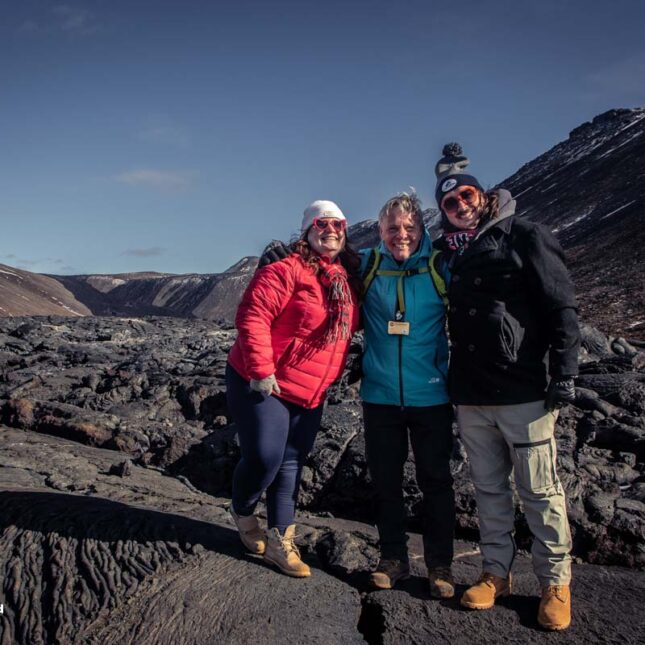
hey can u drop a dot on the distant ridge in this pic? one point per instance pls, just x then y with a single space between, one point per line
212 296
23 293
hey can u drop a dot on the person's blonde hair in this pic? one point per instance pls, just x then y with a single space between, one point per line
407 202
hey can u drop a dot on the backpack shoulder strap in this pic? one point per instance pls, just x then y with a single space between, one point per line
370 268
437 278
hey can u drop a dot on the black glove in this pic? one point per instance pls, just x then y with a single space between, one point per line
355 372
274 251
560 392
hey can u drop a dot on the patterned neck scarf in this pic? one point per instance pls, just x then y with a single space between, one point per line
334 278
459 240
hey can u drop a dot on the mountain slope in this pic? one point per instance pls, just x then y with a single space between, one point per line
211 296
590 190
23 293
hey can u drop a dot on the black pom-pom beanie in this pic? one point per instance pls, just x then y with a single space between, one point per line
451 171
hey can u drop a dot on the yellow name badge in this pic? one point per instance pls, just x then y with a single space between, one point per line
398 328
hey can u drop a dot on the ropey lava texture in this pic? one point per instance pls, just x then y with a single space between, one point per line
92 551
153 389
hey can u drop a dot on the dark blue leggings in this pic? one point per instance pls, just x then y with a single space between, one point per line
275 438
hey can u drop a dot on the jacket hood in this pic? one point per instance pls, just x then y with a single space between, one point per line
506 204
506 209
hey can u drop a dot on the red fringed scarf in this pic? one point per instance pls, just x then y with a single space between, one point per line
334 278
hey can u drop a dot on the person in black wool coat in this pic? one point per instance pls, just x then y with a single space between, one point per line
512 319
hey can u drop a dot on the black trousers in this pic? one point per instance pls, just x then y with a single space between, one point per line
386 443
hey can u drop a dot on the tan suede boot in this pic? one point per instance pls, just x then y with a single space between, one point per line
485 591
283 553
442 584
555 607
388 573
252 536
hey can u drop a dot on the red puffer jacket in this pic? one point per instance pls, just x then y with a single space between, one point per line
282 321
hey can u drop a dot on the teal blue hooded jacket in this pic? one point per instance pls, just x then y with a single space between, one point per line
404 370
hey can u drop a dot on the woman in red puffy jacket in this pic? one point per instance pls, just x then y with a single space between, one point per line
295 325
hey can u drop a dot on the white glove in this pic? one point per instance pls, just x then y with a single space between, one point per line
266 386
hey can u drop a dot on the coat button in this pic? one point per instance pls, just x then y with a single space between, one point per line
477 281
472 312
453 308
456 278
471 348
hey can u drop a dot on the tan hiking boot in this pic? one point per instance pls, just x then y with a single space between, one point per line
252 536
555 607
283 553
442 584
487 589
388 573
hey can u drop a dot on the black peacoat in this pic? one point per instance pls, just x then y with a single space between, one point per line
512 315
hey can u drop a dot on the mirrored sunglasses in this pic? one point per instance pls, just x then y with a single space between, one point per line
466 195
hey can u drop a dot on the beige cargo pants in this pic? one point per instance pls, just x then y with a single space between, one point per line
498 440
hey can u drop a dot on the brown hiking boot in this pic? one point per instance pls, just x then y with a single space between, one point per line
442 584
252 536
388 573
282 552
555 607
485 591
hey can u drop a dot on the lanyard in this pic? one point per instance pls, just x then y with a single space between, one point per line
401 273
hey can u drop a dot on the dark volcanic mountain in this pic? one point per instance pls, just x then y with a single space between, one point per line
590 189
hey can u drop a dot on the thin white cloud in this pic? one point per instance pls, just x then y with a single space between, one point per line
153 251
159 179
20 263
30 265
62 18
76 19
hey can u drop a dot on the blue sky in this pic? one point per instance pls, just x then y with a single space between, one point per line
180 136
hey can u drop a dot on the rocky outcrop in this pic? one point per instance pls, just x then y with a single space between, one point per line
153 390
93 550
90 553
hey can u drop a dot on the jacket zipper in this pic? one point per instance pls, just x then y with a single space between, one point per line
401 370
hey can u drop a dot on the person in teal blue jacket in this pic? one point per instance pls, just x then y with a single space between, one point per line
405 370
404 392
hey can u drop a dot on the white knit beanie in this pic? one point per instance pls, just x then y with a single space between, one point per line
320 208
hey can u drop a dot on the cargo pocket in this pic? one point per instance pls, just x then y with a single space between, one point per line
535 466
